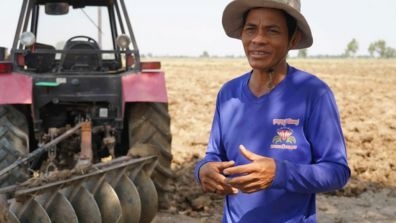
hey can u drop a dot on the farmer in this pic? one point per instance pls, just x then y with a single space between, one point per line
276 138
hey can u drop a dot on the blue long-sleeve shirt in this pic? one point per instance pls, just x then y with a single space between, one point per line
298 125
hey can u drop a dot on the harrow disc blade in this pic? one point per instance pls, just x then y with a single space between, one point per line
58 208
30 212
130 200
11 218
85 206
109 204
117 192
148 197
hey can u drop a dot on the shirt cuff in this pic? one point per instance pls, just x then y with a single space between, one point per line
280 178
197 168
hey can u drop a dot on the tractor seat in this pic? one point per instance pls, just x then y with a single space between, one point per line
83 60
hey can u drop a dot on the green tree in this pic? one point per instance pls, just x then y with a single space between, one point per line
380 49
302 53
390 52
205 54
352 48
377 48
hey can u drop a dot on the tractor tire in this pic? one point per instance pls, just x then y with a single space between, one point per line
14 143
149 134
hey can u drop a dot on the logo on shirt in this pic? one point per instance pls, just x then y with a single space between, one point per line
284 138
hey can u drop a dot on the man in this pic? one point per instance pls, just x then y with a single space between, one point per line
276 138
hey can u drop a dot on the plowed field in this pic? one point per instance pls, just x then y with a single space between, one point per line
365 91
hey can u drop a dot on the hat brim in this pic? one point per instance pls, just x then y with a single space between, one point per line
234 12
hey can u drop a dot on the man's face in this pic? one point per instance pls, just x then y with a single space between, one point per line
265 38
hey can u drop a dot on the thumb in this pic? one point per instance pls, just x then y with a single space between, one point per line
249 155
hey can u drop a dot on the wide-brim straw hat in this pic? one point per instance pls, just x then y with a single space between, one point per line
235 10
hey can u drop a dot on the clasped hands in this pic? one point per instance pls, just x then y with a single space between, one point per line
226 178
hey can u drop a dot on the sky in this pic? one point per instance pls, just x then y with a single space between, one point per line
190 27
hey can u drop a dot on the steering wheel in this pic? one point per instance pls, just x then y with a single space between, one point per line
88 39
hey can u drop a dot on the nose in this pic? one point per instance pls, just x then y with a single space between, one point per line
260 38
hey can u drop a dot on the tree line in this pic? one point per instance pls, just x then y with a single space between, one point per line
377 49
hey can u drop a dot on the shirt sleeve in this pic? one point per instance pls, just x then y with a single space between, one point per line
329 168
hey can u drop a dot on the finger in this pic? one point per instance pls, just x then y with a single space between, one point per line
221 189
210 170
248 183
249 155
210 186
239 170
254 187
240 181
218 184
213 181
251 188
227 164
227 189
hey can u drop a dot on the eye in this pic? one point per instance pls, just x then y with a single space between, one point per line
249 30
273 31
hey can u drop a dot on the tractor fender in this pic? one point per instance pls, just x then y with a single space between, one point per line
144 87
15 88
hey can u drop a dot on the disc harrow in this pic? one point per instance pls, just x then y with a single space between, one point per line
119 191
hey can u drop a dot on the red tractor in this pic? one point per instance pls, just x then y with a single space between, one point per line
84 123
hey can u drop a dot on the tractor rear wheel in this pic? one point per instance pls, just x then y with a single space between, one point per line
14 140
149 134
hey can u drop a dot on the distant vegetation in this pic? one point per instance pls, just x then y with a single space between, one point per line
376 49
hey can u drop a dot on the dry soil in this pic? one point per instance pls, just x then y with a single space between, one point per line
365 91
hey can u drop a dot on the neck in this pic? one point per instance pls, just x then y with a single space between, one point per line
263 81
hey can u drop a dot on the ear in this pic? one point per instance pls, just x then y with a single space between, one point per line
295 39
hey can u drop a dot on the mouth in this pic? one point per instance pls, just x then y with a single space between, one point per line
259 53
